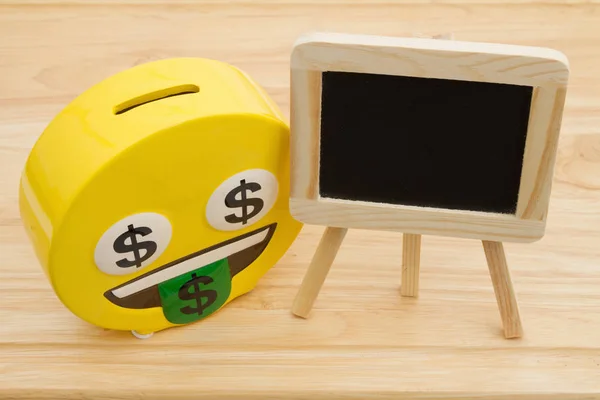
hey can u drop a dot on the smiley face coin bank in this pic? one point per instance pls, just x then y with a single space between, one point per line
160 194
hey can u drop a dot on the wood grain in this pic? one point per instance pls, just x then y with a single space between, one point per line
304 173
540 153
416 220
503 289
317 270
411 262
363 340
424 57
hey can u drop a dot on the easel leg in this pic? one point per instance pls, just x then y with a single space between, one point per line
411 260
318 270
503 288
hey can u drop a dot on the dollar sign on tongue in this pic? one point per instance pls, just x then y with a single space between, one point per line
244 202
120 246
191 291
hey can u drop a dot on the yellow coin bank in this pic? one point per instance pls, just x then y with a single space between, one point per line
160 194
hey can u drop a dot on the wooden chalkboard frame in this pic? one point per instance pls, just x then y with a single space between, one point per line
545 70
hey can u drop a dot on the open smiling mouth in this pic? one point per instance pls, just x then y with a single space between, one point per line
239 253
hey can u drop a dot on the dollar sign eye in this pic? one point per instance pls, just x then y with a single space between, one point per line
132 243
242 200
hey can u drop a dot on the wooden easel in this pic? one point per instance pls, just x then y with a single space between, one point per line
411 260
439 59
411 255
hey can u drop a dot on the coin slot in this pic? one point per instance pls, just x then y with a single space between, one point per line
154 96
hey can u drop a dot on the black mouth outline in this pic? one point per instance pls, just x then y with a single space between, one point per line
237 263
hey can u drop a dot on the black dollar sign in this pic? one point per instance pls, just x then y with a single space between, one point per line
197 294
232 202
121 247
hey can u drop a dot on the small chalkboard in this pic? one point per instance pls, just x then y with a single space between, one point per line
423 136
426 142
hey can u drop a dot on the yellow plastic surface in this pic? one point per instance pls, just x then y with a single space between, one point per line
100 161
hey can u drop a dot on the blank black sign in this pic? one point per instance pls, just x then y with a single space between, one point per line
422 142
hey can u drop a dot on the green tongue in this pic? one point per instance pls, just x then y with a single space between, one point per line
196 294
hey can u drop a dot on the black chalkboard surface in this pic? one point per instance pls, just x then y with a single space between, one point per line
426 142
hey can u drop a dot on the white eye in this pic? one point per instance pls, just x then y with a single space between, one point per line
132 243
242 200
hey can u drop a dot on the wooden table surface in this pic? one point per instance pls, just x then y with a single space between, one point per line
363 339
